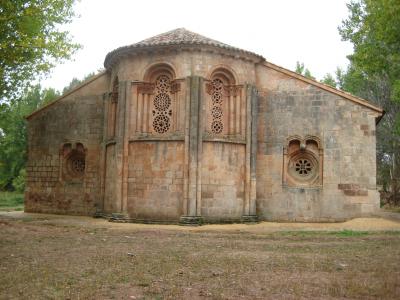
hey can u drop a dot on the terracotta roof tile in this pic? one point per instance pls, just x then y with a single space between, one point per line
179 36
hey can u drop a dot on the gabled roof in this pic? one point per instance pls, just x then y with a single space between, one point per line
78 87
326 87
180 38
177 37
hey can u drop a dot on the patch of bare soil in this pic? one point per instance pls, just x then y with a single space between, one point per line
57 257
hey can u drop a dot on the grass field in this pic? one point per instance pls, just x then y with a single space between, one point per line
11 201
49 260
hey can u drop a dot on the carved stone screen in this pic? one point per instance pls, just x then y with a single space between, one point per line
162 111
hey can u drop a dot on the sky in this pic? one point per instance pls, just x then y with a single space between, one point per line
283 31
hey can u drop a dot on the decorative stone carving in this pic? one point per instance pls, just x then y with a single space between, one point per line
74 161
216 95
146 88
303 162
162 103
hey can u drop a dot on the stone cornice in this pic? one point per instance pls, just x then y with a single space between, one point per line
113 57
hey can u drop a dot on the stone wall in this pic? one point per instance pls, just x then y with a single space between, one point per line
111 203
77 118
222 178
187 63
288 107
155 180
188 170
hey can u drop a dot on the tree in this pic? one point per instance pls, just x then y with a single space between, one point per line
373 27
31 41
13 144
300 69
329 80
75 82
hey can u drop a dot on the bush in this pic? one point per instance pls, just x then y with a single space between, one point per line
19 181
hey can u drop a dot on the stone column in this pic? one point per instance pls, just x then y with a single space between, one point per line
193 144
127 88
119 149
100 207
249 209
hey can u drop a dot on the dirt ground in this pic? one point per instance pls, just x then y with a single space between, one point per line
63 257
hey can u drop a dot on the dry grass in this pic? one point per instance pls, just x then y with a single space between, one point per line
49 260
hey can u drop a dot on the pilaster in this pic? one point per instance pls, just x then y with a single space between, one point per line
249 209
120 143
193 144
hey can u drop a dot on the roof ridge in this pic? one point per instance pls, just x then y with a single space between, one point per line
326 87
178 36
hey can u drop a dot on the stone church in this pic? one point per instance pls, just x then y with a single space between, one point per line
183 128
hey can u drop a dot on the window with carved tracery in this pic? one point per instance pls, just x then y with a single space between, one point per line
76 165
162 104
303 162
74 161
216 110
223 104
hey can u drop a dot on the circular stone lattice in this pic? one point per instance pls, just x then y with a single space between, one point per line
76 165
161 124
217 126
217 98
303 167
216 112
162 101
163 84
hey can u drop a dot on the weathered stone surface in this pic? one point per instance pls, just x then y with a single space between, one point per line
182 133
77 118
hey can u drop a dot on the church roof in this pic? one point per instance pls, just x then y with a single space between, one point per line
177 37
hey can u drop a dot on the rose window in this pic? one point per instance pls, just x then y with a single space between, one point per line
162 101
303 167
217 126
76 165
161 124
216 112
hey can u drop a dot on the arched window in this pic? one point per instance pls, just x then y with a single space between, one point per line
74 161
303 162
157 99
221 82
162 111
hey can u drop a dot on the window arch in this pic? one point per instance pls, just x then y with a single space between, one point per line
221 81
158 69
73 161
161 77
303 162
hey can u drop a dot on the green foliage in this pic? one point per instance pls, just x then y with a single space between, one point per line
19 181
349 233
13 133
75 82
31 41
300 69
11 201
329 80
373 27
